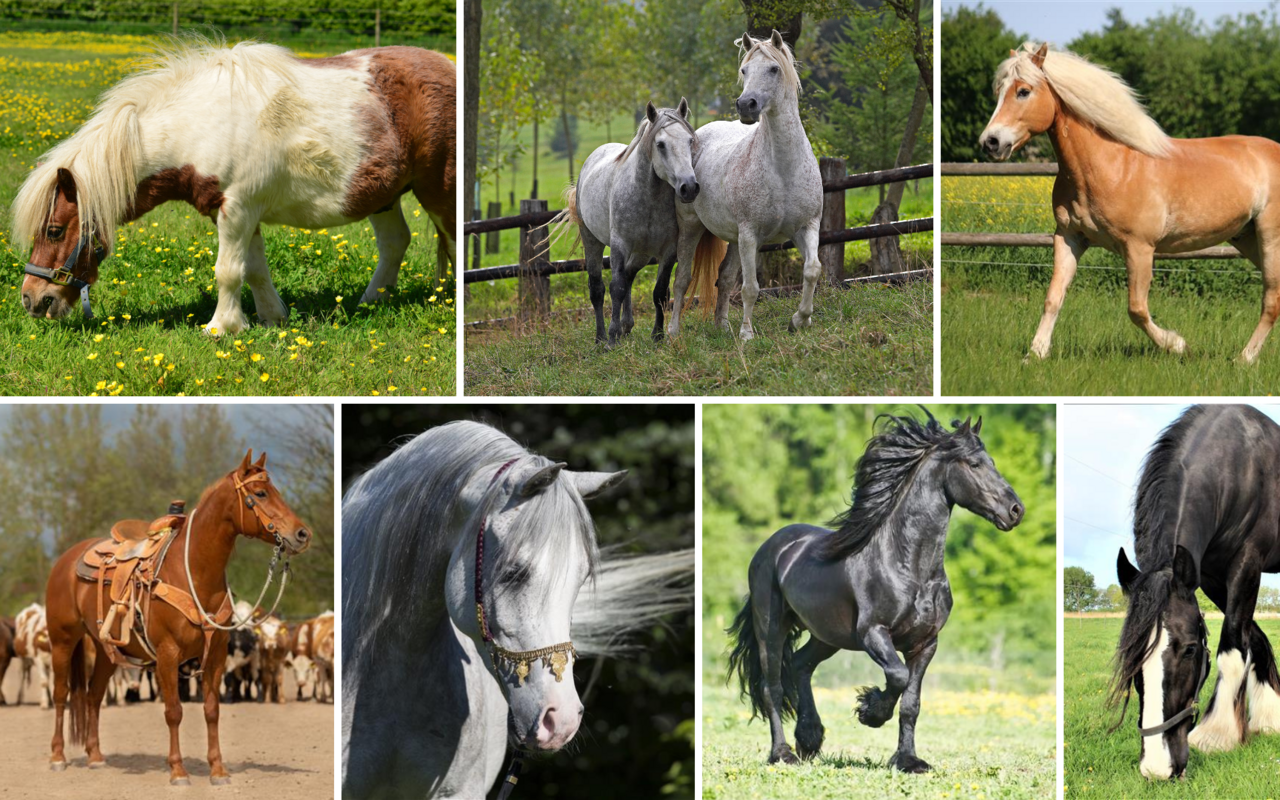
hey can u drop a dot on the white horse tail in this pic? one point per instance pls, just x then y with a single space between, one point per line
564 221
628 595
706 269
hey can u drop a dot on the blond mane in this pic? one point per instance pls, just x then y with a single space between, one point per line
1095 93
782 55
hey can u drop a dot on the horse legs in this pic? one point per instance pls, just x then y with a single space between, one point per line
1266 257
660 294
809 730
686 245
167 662
593 254
213 667
768 617
620 261
393 236
1067 249
444 245
103 669
1139 258
730 268
905 759
63 653
806 240
1263 684
1224 724
875 707
271 309
236 228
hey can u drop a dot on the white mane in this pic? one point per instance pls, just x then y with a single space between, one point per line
782 55
104 155
1095 93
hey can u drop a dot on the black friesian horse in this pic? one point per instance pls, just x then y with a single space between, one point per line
1207 515
876 584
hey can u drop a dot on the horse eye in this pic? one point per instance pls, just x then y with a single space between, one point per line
1190 652
1024 93
774 70
514 576
261 494
54 232
662 145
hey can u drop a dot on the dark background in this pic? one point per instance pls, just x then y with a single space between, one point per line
637 738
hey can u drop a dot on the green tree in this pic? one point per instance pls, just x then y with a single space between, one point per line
1078 589
508 73
974 42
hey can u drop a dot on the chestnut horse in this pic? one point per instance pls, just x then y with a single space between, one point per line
1125 185
248 134
243 503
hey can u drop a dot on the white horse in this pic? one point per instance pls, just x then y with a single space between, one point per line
760 184
626 198
471 585
248 134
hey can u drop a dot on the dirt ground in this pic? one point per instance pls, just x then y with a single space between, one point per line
282 752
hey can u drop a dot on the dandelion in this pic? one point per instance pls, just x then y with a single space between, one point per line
256 357
264 377
92 356
199 381
126 317
119 365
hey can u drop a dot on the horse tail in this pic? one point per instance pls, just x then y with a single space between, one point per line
706 269
79 694
744 660
567 219
629 595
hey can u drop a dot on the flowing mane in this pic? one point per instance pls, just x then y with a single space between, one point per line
105 154
883 472
646 133
782 55
1094 93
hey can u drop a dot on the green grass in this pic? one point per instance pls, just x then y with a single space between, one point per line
156 291
868 340
1101 764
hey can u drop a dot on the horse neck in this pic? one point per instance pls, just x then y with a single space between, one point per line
783 136
211 536
638 169
1082 151
914 534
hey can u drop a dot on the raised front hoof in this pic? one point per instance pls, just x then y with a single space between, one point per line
220 780
783 755
909 764
58 766
1173 343
183 781
809 736
875 707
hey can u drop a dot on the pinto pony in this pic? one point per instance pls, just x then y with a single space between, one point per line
247 135
1125 185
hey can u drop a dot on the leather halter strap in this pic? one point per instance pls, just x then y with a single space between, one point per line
1173 721
265 520
1202 675
66 275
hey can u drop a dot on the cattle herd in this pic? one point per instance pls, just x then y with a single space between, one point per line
257 657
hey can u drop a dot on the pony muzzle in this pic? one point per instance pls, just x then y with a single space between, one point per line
688 190
297 541
47 300
748 110
998 143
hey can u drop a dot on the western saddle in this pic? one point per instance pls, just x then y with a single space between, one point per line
127 566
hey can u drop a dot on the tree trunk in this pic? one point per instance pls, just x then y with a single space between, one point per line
908 146
886 256
763 20
921 51
568 139
472 18
533 192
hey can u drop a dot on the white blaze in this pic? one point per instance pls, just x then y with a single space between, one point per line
1156 761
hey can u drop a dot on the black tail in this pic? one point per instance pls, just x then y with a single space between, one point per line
744 659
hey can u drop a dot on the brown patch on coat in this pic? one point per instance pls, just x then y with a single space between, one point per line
177 183
409 133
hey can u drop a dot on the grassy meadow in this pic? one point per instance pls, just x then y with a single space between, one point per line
992 299
868 340
1101 764
156 290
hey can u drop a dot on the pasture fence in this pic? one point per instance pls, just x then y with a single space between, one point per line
535 268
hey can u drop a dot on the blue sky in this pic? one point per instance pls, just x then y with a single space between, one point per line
1102 452
1062 21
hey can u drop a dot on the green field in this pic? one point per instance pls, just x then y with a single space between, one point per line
868 340
992 299
1101 764
156 290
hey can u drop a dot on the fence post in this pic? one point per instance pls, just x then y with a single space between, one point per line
535 291
377 27
492 240
175 18
832 255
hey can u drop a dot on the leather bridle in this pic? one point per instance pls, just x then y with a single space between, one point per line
555 657
66 274
1193 707
265 520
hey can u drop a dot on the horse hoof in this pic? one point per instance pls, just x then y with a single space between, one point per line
909 764
97 764
220 780
58 766
179 781
784 755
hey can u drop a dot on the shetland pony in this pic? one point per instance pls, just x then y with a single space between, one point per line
1125 185
247 135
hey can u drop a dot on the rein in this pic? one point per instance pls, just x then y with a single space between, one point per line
66 276
555 657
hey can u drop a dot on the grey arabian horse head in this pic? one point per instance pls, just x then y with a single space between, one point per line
669 142
768 75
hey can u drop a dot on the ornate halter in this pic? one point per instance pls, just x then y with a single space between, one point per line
556 657
264 519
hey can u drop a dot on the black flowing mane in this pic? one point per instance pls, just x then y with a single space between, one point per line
1147 601
885 469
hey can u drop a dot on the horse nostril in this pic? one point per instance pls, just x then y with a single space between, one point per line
302 534
1016 511
26 301
992 143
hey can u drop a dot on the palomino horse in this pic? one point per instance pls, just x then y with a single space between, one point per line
248 135
1123 184
626 199
1207 516
472 564
760 184
876 584
172 624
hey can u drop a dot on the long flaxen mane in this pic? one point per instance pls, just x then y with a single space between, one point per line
105 155
1094 93
884 474
764 48
1156 517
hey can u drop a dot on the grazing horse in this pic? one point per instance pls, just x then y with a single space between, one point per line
247 135
180 612
625 199
31 645
1206 515
760 184
471 564
1125 185
876 584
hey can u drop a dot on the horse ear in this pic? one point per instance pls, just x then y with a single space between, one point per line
1126 572
67 183
650 112
776 40
747 42
248 459
590 484
1013 54
262 460
683 108
1185 576
977 429
540 480
1037 57
964 426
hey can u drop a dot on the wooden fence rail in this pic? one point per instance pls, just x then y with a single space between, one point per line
949 169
